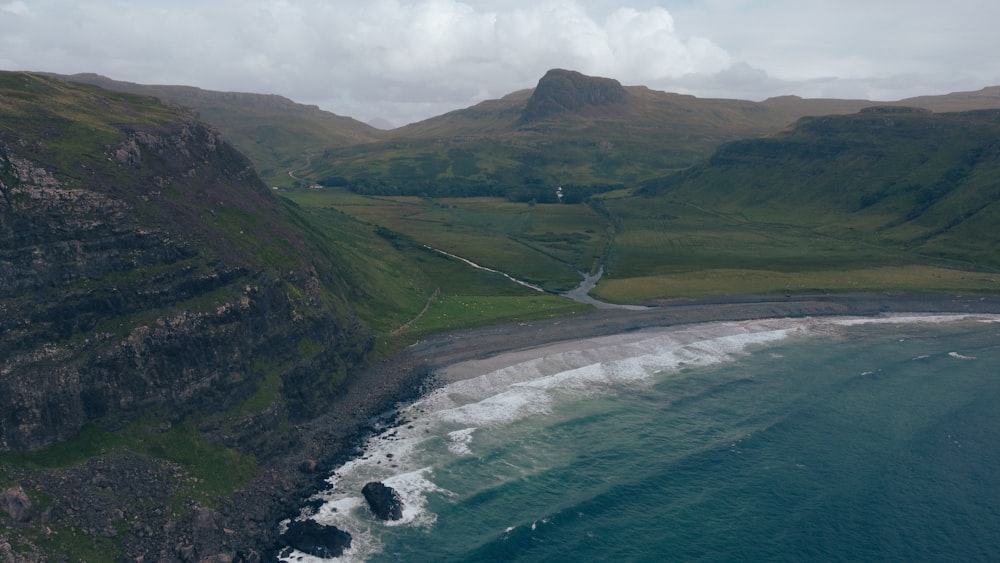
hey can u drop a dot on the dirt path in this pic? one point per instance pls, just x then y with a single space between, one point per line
420 315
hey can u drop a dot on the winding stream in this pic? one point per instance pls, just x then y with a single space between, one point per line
580 293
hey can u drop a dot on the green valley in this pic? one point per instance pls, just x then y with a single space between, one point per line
165 313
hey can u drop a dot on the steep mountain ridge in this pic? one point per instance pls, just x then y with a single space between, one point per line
571 129
144 265
275 132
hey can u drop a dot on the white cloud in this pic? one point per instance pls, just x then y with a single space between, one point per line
420 51
18 8
410 59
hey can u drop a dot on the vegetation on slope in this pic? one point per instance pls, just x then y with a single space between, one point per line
277 134
572 130
161 309
886 199
406 287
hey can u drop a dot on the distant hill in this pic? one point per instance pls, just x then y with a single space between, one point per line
564 92
570 130
573 129
275 132
382 124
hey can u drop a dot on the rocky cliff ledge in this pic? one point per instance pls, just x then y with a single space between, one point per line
147 275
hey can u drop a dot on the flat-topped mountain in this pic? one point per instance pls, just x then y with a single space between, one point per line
562 92
573 129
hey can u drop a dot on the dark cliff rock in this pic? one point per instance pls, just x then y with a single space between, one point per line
566 91
142 264
151 284
383 500
313 538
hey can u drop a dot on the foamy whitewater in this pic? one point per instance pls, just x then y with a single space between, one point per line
481 403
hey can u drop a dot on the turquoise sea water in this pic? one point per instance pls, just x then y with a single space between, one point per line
783 440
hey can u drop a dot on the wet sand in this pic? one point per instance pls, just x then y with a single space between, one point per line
449 348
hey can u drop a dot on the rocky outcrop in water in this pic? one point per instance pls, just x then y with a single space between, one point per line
383 501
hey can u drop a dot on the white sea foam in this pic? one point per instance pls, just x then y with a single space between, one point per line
460 440
413 488
903 318
443 424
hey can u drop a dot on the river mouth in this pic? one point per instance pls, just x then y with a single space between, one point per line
581 294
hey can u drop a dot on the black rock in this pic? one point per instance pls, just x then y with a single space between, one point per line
313 538
384 501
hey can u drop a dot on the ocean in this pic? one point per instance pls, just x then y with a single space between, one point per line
823 439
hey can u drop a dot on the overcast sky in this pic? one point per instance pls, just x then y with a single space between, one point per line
406 60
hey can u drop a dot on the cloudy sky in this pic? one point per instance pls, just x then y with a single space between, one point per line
406 60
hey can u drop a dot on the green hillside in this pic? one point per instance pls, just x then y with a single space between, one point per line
591 133
277 134
572 130
888 198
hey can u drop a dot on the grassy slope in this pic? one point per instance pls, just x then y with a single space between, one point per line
397 276
488 144
873 201
877 201
276 133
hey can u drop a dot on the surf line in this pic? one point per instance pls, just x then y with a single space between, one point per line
484 268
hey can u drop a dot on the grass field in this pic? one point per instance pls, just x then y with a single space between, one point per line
667 249
654 247
723 281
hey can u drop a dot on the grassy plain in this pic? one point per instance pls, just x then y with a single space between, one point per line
667 248
654 247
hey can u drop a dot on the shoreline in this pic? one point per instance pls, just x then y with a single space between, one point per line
369 398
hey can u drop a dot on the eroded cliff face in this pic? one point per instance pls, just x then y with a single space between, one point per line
143 266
